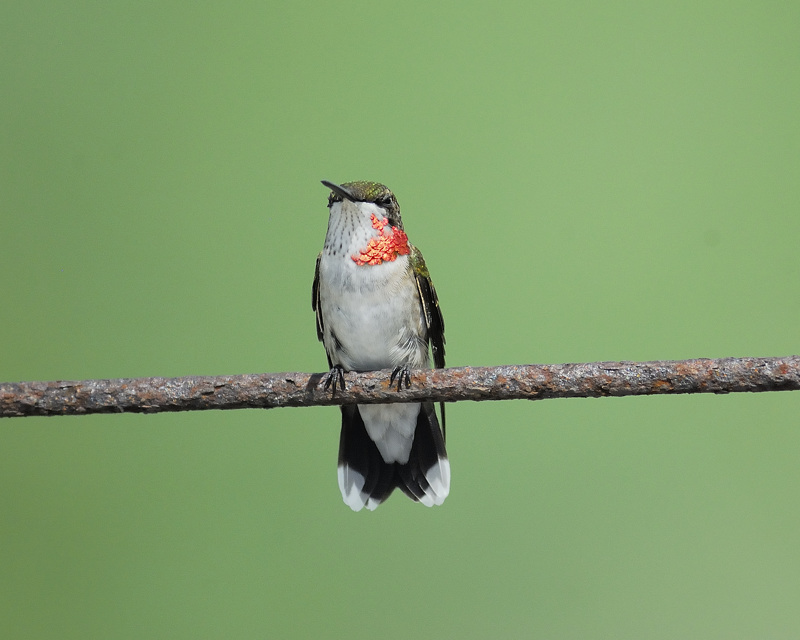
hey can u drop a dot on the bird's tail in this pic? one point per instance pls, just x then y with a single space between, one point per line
366 480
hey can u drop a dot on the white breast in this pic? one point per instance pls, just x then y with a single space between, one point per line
372 314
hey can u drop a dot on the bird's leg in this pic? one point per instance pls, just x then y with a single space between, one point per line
403 375
335 376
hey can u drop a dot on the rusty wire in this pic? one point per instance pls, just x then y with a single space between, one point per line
508 382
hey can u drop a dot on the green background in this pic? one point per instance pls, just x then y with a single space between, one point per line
588 181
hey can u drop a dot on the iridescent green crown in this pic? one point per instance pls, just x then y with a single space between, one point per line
367 191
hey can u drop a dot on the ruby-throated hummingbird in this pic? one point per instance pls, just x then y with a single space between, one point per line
377 309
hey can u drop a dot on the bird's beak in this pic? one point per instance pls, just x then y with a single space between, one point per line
339 190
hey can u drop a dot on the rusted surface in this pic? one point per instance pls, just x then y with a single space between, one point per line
508 382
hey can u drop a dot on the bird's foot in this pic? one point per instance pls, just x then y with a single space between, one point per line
403 375
335 376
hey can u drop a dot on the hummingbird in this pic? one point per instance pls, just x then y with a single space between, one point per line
377 309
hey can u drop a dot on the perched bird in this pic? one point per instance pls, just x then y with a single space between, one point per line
377 309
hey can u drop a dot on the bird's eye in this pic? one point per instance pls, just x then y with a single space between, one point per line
383 201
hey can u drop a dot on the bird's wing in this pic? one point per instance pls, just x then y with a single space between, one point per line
433 315
430 307
315 305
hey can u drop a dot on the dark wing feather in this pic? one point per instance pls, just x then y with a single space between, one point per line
430 307
433 315
315 305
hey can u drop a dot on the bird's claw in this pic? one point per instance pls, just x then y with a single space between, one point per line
403 375
335 376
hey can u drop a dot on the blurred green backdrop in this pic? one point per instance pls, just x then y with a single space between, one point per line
588 181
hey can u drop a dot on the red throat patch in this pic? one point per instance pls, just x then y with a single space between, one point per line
385 247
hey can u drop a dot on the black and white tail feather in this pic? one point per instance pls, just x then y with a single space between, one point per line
366 479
